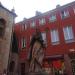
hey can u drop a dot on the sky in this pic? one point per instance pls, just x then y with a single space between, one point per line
27 8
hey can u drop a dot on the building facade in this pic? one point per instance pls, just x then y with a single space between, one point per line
6 24
58 31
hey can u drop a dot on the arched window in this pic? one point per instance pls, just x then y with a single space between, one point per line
2 26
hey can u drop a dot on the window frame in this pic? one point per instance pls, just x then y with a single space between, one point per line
42 21
24 27
32 24
64 14
44 39
67 36
23 43
74 10
53 34
51 18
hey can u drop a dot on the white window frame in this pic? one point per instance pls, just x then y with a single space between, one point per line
32 24
30 38
24 27
52 18
65 14
68 34
74 10
23 43
42 21
44 37
54 36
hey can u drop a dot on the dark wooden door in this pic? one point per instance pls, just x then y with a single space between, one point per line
22 68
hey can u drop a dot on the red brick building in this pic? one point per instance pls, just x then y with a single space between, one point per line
58 30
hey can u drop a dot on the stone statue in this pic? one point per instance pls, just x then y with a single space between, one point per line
36 55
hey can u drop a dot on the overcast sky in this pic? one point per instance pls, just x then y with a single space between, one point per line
27 8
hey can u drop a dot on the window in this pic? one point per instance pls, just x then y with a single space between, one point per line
30 38
54 37
64 14
74 10
24 27
42 21
68 33
23 43
52 18
32 24
2 27
11 66
44 37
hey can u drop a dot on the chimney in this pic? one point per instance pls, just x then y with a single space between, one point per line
24 19
57 6
38 13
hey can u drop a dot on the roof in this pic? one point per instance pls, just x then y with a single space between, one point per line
50 11
14 14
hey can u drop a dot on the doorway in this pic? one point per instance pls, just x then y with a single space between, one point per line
22 68
72 59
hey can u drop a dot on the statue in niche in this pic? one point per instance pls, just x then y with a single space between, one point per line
36 52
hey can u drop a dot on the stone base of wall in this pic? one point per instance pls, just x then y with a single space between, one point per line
37 73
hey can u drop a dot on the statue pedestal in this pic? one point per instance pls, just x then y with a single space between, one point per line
37 73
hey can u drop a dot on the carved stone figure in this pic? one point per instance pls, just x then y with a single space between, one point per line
36 52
